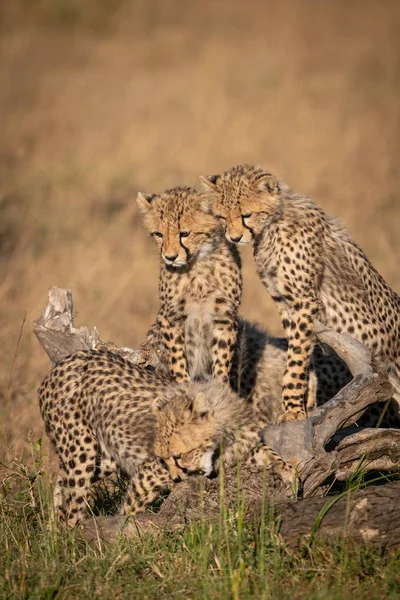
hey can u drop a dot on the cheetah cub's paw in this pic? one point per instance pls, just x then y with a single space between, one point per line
176 473
264 456
290 417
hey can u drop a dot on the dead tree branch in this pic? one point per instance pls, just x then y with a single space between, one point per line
369 516
305 441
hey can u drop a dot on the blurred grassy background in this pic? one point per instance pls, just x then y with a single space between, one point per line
101 99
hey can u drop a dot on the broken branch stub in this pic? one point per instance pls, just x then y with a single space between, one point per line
357 357
55 327
57 335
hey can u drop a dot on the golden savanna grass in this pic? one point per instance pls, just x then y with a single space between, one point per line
99 100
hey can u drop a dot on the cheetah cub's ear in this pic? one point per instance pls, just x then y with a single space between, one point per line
201 406
210 182
204 204
266 182
158 404
144 201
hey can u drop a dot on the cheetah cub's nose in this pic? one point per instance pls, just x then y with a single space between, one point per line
236 240
171 258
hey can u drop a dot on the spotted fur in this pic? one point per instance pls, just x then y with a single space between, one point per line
97 409
311 268
200 285
219 424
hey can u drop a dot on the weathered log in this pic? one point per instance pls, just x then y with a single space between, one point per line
194 499
369 516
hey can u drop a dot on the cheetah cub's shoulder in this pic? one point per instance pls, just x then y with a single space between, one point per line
200 285
312 269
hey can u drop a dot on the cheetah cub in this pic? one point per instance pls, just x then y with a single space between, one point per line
97 409
200 285
312 269
217 425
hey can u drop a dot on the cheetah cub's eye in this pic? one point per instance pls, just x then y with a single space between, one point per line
176 459
247 216
221 217
184 234
157 233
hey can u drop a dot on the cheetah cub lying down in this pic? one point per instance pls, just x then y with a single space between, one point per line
312 269
200 285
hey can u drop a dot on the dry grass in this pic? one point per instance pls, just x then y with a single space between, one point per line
101 99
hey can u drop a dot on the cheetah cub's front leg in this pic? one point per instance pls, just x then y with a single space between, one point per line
296 392
172 332
158 474
224 336
152 477
298 305
264 456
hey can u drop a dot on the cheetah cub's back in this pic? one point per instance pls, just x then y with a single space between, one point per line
97 410
200 285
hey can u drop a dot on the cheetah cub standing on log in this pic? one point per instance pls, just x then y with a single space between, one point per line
312 269
200 285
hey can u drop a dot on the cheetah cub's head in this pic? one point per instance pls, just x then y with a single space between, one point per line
192 422
243 198
180 223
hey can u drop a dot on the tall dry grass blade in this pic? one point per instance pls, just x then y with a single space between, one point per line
14 361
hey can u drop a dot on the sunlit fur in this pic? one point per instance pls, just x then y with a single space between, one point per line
173 214
183 426
312 269
245 199
200 285
217 425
